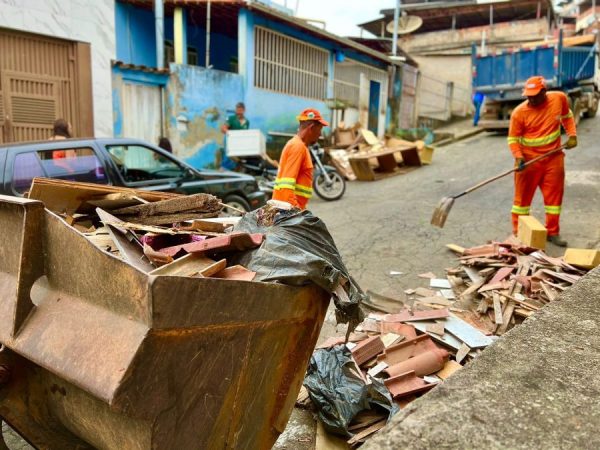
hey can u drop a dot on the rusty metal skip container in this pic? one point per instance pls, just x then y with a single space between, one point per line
102 355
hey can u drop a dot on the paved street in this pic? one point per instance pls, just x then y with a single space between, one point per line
384 226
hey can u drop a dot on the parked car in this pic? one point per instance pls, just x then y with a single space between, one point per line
120 162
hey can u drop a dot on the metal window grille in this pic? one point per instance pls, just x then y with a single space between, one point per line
346 85
288 65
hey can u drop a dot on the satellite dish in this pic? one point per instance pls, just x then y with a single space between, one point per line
406 24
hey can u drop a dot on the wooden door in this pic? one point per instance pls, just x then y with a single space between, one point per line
42 79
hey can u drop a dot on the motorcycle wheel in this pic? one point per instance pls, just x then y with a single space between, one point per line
329 191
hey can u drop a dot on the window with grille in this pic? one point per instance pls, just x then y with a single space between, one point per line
346 85
287 65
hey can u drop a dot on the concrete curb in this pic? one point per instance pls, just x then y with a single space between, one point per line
535 388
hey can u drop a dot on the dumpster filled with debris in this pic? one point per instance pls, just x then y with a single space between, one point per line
119 331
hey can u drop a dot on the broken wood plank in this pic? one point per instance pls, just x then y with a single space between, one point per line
449 368
410 316
190 265
195 202
462 352
359 437
497 309
456 248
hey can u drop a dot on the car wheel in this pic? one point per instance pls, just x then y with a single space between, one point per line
237 202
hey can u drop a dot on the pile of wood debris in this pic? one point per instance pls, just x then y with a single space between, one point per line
358 154
416 343
158 233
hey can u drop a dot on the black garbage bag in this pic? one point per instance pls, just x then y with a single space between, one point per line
299 250
340 393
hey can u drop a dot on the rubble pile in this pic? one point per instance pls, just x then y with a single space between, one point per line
413 344
358 154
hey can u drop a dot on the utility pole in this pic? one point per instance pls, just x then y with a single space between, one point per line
395 38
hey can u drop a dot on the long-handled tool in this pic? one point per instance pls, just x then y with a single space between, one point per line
440 214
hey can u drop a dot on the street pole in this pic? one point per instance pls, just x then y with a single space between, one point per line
207 54
395 38
159 33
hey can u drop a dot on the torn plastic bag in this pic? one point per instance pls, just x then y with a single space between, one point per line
298 250
340 393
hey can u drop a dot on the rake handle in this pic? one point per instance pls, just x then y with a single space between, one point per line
508 172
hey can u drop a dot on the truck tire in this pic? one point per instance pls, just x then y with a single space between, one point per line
591 112
576 108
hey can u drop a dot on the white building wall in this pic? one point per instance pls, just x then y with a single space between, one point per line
91 21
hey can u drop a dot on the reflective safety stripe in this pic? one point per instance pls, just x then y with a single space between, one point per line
567 116
552 209
513 140
523 210
303 191
290 183
285 183
544 140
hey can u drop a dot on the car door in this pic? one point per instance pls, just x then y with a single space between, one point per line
65 163
143 167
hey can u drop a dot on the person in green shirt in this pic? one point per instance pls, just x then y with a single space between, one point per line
236 121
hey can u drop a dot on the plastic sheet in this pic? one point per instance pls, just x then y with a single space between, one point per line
340 392
298 250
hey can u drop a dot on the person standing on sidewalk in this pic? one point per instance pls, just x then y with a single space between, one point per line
295 175
535 129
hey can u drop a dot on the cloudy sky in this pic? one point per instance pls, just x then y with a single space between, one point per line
341 15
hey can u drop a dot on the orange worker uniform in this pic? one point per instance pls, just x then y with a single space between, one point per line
295 174
535 130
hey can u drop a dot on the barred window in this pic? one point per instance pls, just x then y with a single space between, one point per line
346 85
288 65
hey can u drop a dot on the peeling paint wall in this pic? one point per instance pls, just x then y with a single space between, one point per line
198 102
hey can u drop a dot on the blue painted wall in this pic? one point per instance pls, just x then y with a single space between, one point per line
198 102
136 41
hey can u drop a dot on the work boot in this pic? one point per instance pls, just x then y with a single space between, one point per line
557 240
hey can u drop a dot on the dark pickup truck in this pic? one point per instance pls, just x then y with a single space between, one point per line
120 162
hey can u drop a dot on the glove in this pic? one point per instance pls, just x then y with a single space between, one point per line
572 142
520 164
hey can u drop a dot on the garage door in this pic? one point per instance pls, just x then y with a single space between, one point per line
42 79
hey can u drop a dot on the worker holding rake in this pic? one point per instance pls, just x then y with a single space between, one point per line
535 130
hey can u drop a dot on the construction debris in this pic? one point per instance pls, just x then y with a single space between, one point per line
359 154
412 345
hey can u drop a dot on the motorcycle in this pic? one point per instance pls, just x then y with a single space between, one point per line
328 184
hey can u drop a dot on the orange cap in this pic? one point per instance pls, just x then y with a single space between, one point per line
312 114
533 86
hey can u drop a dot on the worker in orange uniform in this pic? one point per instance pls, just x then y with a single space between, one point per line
295 175
535 129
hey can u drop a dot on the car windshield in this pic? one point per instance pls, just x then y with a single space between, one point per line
139 163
